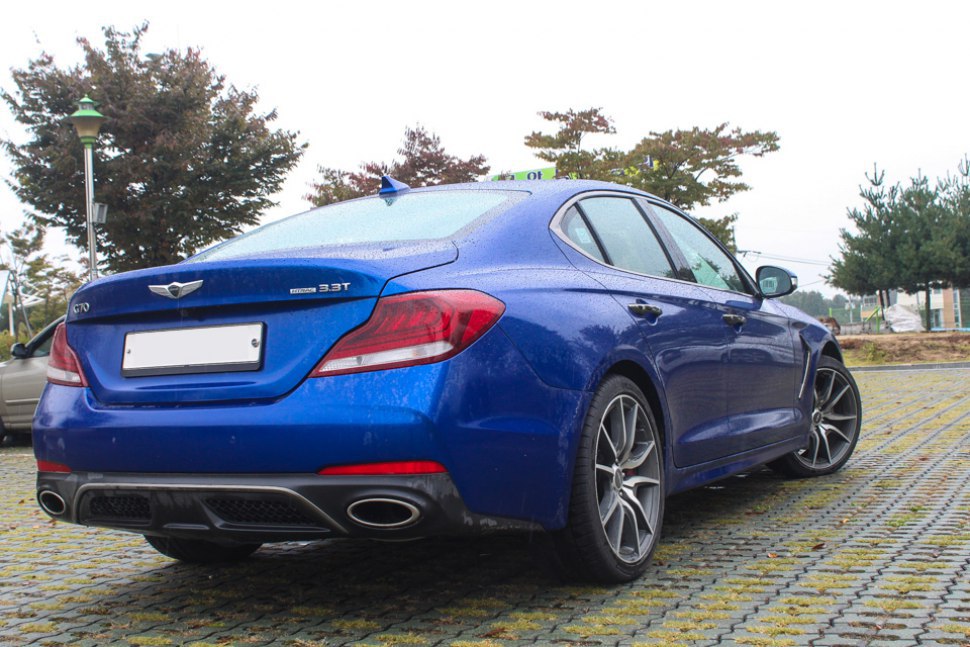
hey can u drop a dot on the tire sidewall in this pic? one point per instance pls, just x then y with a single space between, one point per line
790 464
601 562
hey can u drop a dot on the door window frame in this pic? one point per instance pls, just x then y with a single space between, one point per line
675 256
677 266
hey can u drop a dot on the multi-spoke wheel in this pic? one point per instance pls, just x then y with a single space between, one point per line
836 419
618 493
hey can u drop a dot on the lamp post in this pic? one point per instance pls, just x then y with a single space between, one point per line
87 121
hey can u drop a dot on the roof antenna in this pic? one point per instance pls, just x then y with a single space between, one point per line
390 185
391 189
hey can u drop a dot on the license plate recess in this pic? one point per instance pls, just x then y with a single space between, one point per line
201 349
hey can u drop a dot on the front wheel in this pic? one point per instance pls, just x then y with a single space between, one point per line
836 421
617 502
198 551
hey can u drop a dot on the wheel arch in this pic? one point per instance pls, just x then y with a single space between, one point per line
831 349
639 376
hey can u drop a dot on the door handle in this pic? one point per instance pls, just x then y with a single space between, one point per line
645 309
734 320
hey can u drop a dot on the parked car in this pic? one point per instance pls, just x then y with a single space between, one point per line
22 378
554 357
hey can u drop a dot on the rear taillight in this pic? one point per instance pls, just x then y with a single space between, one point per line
62 365
414 328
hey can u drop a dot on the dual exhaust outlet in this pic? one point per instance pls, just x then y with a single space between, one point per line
51 502
383 513
376 512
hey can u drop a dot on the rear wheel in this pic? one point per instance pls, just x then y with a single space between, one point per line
616 508
836 420
198 551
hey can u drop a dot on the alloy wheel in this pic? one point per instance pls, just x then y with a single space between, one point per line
628 479
834 420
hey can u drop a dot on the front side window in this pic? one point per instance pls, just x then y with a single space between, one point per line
412 216
628 241
709 263
43 350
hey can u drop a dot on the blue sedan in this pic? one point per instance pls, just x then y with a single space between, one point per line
554 357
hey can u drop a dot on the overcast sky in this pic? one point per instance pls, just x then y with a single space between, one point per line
844 84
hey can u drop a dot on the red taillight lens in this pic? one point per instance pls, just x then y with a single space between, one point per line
62 365
414 328
49 466
377 469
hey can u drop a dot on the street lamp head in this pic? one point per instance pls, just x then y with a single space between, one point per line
87 121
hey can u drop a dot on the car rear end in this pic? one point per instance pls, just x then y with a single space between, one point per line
279 387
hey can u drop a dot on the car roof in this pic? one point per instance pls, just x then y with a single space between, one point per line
541 188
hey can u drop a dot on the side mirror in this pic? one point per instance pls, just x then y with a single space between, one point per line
19 351
775 282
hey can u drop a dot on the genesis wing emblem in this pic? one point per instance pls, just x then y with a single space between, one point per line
176 290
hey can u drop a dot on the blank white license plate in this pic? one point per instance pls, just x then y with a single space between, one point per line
208 349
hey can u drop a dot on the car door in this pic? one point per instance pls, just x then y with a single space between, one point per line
761 365
680 329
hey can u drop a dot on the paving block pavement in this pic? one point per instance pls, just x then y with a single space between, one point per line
878 554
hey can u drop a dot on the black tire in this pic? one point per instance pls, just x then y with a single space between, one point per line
617 499
198 551
836 421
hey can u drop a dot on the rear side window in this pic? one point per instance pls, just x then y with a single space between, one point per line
412 216
576 230
627 239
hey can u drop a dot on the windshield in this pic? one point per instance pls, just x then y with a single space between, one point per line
413 216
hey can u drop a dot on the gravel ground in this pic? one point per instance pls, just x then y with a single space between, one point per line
878 554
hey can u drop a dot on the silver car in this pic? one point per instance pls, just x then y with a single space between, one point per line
22 378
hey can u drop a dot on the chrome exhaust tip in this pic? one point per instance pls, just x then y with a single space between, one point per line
383 513
51 502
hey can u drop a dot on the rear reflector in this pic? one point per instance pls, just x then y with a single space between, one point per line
377 469
62 365
48 466
411 329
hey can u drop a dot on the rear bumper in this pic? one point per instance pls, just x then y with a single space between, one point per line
266 507
506 439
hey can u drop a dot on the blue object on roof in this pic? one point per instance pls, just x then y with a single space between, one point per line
390 185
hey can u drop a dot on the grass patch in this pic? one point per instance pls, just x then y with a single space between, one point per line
401 639
765 641
356 624
588 631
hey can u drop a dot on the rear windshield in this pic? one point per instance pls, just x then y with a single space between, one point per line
413 216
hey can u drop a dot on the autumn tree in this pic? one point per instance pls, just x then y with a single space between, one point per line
423 162
184 159
564 148
688 168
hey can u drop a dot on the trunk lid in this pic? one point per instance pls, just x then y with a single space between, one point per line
251 330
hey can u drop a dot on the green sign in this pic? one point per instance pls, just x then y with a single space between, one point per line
534 174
